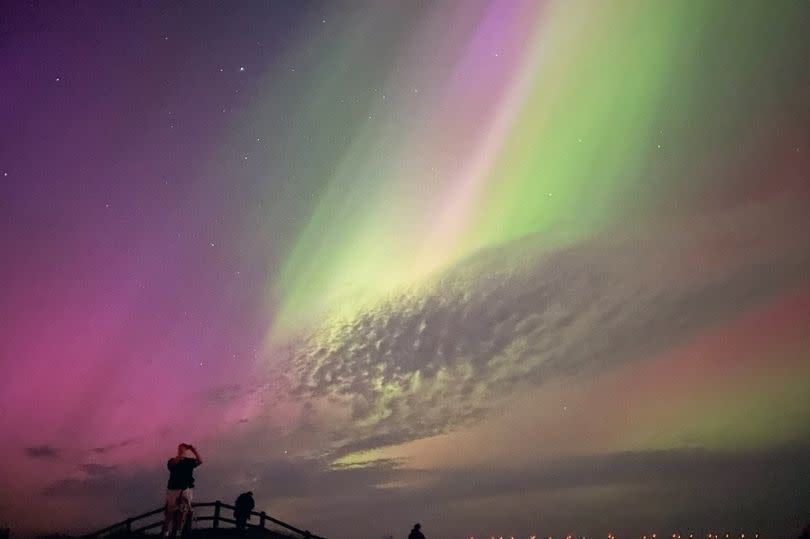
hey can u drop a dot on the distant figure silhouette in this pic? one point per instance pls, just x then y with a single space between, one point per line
243 505
416 532
179 492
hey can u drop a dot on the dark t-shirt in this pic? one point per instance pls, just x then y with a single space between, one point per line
181 473
244 504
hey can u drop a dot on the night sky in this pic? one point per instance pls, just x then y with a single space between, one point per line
503 267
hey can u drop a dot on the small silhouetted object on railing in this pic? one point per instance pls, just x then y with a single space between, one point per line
132 526
416 532
244 504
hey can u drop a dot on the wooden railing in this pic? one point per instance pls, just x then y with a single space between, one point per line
135 524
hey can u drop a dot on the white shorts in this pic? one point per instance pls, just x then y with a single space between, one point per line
176 499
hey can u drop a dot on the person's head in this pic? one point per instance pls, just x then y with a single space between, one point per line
417 526
182 449
249 493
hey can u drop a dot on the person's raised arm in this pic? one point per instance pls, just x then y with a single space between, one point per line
196 454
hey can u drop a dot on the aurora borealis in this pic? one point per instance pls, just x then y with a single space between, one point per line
504 267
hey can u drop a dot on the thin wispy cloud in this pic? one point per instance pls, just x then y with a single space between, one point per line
45 452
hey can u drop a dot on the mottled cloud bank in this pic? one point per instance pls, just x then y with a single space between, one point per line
436 358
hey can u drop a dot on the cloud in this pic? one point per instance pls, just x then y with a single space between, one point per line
45 452
317 479
97 470
112 447
438 357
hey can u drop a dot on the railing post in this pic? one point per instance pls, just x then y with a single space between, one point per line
262 519
129 525
216 513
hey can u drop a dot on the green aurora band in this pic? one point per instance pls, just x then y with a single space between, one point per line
485 123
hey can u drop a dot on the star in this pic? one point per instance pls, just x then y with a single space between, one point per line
242 68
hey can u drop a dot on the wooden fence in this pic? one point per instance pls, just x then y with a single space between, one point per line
141 523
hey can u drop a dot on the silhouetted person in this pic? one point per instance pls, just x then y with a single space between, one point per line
243 505
179 490
416 532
